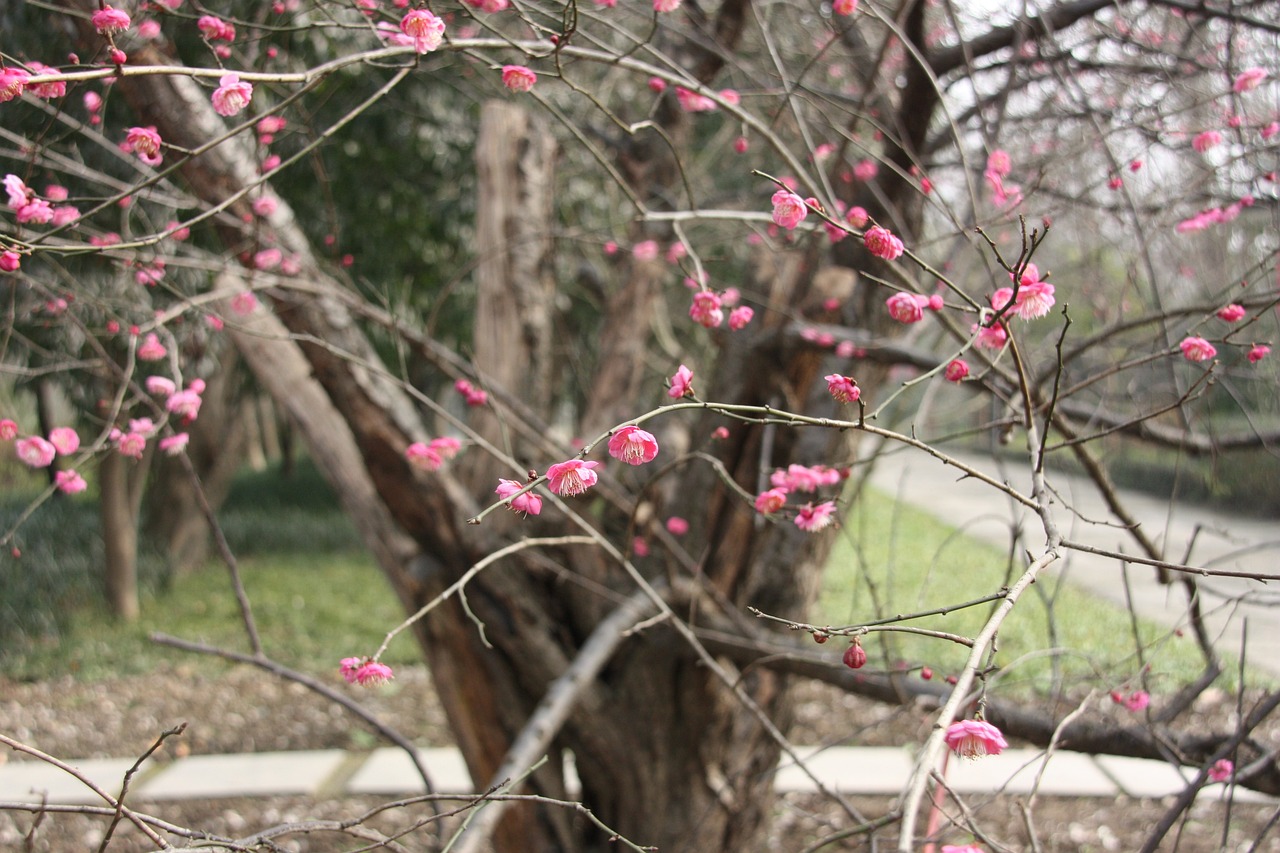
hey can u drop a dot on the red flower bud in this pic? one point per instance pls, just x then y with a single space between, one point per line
854 656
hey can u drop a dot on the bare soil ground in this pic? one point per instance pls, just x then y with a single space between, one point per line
245 710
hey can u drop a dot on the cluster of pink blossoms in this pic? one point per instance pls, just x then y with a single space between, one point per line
974 738
431 455
708 307
1136 701
1032 299
801 478
882 243
910 307
184 404
473 395
37 452
999 165
215 29
1214 216
365 672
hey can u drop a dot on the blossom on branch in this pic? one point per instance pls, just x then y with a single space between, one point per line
814 518
426 30
843 389
524 504
232 95
789 209
632 445
681 383
517 78
109 20
974 738
882 243
571 478
1197 349
145 142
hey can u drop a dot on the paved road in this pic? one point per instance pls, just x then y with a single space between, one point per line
1221 541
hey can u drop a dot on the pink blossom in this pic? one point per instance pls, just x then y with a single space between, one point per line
264 205
771 501
632 445
720 433
994 336
844 7
789 209
10 261
692 102
1232 313
1267 132
681 383
905 307
517 78
730 97
1204 141
446 446
527 503
426 30
1221 770
1197 349
145 142
348 668
1248 79
160 386
814 518
739 317
148 30
48 90
865 170
666 5
857 216
999 162
657 85
1138 700
422 457
267 259
956 370
12 82
572 477
232 95
35 451
639 547
172 445
882 243
974 738
65 440
184 404
151 348
705 310
1258 352
70 482
372 674
646 250
215 29
677 526
118 56
843 389
108 20
244 302
8 429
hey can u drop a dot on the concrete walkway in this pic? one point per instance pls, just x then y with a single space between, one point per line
864 771
1221 541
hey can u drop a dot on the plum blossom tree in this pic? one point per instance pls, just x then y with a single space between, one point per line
930 156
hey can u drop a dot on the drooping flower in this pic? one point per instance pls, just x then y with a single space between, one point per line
1258 352
108 20
1232 313
855 657
232 95
632 445
957 369
422 457
1221 770
65 440
348 668
1197 349
814 518
905 307
789 209
572 477
681 383
527 503
974 738
1248 79
426 30
882 243
35 451
517 78
365 672
843 389
70 482
771 501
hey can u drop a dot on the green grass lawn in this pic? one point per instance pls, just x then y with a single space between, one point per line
893 559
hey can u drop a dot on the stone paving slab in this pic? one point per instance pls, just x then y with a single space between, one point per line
248 775
1015 771
33 781
389 771
865 770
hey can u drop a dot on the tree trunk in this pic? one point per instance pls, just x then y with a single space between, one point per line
119 514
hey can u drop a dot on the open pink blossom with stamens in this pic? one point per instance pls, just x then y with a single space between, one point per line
1197 349
130 444
70 482
422 457
65 440
517 78
145 142
12 82
905 307
632 445
771 501
681 383
1221 770
48 90
789 209
843 389
882 243
108 20
974 738
35 451
1258 352
957 369
1035 298
426 30
572 477
232 95
1232 313
526 504
814 518
365 672
1248 79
